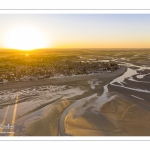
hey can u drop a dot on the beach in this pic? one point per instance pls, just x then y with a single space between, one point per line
122 110
41 103
101 104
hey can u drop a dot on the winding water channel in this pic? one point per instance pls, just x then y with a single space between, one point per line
131 75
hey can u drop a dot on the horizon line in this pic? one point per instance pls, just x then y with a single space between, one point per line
76 48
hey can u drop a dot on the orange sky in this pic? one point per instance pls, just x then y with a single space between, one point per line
75 31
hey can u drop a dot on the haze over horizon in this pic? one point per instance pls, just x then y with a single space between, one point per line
36 31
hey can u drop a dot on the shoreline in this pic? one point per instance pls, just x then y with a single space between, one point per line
64 115
123 115
47 118
60 80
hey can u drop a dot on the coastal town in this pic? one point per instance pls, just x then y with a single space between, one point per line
30 68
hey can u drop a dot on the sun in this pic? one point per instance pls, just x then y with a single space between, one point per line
25 38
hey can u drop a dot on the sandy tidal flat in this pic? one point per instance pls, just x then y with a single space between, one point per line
35 108
123 109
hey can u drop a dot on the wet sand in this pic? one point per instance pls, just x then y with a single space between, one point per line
130 114
79 108
125 113
40 116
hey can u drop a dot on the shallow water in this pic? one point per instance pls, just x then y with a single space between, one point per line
36 96
120 82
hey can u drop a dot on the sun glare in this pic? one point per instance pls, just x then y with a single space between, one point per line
25 38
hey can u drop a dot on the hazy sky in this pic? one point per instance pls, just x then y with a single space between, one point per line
83 31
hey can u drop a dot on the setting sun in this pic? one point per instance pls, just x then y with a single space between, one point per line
25 38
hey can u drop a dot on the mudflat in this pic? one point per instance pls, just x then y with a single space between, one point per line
41 113
77 106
